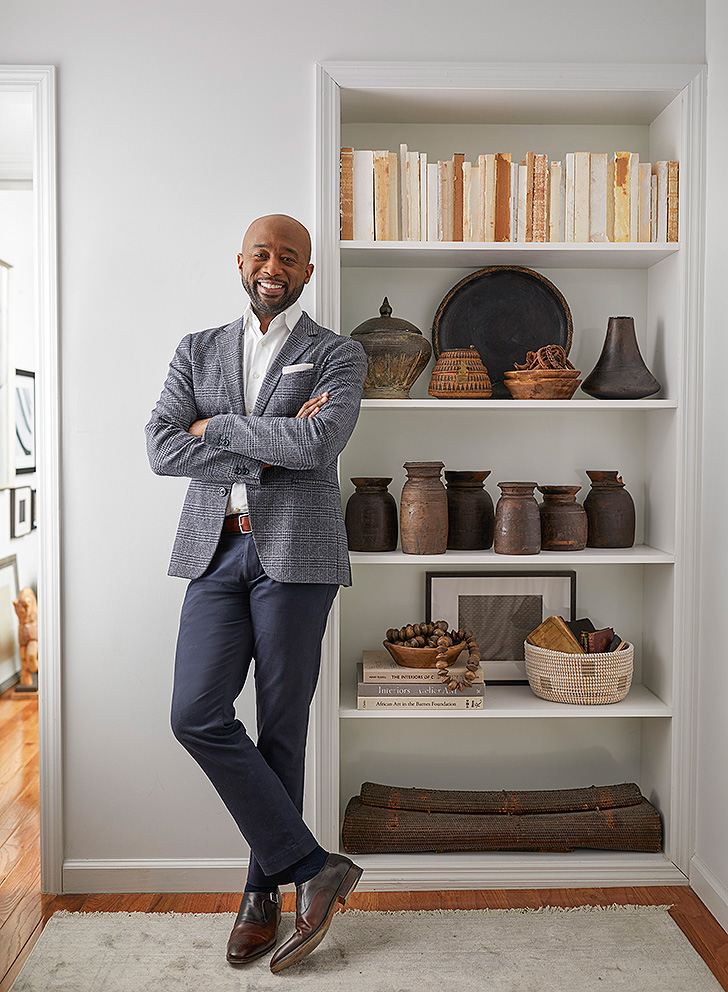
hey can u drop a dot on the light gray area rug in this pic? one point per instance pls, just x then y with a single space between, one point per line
639 949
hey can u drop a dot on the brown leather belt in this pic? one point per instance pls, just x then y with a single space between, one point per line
237 524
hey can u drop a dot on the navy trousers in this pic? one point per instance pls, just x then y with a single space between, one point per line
232 614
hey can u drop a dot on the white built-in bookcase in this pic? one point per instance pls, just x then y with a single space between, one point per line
648 592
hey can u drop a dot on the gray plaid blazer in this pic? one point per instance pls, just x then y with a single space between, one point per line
295 504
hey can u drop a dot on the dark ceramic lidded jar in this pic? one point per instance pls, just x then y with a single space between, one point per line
371 516
564 522
517 520
423 510
396 352
610 512
470 512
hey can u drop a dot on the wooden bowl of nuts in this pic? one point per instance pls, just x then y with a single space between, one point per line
421 657
432 645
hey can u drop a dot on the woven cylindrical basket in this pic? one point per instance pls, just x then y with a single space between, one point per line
579 678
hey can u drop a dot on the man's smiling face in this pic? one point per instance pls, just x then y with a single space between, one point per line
274 263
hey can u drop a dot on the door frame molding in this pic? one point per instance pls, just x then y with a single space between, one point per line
40 81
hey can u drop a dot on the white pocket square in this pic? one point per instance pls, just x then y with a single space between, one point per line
287 369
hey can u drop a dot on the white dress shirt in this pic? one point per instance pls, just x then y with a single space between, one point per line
259 350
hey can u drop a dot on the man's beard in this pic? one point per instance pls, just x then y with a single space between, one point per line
271 307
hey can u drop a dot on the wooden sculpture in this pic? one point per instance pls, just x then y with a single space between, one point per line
26 607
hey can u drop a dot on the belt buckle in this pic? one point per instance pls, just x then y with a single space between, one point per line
241 520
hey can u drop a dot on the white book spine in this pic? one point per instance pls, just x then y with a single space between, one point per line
556 205
432 190
440 201
653 207
598 197
581 196
423 196
645 201
394 204
489 225
660 170
482 171
403 192
514 201
522 193
363 196
634 197
474 199
570 192
467 217
413 196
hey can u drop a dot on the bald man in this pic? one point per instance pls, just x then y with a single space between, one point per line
255 414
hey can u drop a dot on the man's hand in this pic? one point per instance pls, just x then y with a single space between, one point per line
198 427
311 407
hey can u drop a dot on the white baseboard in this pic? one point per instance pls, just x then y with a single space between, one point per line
388 873
163 875
710 890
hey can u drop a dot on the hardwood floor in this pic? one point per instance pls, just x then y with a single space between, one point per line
24 910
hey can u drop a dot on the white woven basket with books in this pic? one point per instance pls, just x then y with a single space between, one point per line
600 678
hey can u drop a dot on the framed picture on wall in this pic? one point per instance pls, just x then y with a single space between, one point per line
501 608
21 511
24 422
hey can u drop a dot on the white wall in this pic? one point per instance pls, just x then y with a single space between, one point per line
711 863
178 123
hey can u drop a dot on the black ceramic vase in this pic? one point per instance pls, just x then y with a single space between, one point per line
620 373
371 516
469 512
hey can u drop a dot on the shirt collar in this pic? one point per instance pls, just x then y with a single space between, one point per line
287 318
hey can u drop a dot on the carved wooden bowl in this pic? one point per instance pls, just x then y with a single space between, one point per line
542 389
421 657
527 374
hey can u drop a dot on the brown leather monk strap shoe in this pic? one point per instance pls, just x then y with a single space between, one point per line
315 905
256 927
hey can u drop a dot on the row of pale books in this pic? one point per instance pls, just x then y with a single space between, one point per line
383 684
390 196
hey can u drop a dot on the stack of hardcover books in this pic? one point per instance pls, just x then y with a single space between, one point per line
383 684
584 197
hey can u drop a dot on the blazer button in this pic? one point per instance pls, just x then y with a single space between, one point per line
225 442
238 470
222 491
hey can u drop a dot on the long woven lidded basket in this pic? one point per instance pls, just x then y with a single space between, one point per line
579 678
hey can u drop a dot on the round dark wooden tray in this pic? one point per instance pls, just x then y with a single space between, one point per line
505 311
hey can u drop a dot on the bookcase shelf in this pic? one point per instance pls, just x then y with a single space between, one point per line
647 592
518 702
637 555
453 254
577 403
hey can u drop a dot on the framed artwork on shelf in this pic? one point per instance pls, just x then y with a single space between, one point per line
501 608
9 588
24 422
21 513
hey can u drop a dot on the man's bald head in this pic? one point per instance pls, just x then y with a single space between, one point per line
282 227
274 264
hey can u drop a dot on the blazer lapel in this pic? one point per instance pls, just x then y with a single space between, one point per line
298 341
230 354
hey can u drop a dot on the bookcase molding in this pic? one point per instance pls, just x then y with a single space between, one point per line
664 718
